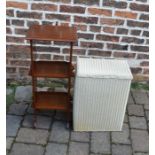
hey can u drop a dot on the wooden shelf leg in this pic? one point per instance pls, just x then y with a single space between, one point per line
34 85
69 87
34 80
69 120
35 119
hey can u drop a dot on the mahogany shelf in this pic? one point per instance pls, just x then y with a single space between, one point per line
54 69
51 100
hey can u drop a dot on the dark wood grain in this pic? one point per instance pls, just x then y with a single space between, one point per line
54 33
51 100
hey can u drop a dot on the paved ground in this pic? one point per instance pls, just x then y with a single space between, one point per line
52 138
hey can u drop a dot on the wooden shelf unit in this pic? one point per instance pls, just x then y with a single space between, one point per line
51 69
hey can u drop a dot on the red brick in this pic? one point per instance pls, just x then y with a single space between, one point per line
23 71
126 14
75 51
145 71
140 48
139 7
18 48
63 1
48 22
92 45
21 31
7 61
137 70
122 31
7 22
87 2
19 5
10 69
103 31
15 39
47 49
72 9
107 38
58 16
74 58
86 36
99 53
62 43
144 17
103 12
144 63
58 57
140 78
124 55
87 20
45 56
18 22
42 42
29 23
135 32
33 15
143 56
115 4
80 27
146 33
95 28
8 30
64 24
18 55
46 7
109 21
142 1
137 24
108 29
132 40
10 13
20 62
36 55
117 47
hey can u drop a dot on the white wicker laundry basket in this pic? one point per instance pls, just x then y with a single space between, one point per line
100 94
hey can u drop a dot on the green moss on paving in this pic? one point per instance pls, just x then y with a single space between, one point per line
142 86
52 84
9 100
47 83
11 97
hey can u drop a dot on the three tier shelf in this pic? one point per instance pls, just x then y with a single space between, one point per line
51 69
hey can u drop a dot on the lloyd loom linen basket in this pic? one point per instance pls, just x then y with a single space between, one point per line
100 94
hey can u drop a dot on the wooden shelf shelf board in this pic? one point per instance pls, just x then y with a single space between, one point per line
51 100
53 69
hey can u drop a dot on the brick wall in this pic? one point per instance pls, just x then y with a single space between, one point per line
106 29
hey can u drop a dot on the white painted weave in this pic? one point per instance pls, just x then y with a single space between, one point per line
100 97
103 68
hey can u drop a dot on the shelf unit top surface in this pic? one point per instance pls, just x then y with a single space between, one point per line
53 33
